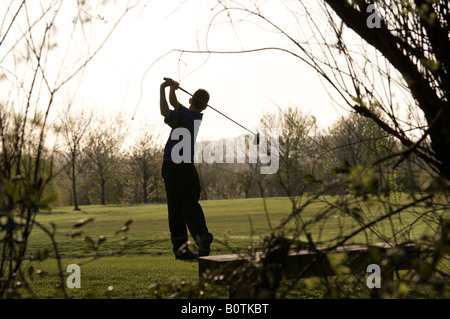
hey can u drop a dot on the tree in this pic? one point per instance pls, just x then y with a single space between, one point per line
73 128
248 167
297 147
103 148
394 59
412 36
144 167
35 69
357 140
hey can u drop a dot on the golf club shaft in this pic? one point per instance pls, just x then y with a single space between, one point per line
219 112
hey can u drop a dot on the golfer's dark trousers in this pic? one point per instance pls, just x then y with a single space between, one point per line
183 193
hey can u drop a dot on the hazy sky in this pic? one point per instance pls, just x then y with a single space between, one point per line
241 86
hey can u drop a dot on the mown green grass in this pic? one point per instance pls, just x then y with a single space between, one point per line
128 268
145 257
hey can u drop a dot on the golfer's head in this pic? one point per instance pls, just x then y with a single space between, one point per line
200 99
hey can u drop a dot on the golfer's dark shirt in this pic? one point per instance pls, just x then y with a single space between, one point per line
183 118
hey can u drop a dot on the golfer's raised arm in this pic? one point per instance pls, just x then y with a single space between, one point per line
163 106
172 97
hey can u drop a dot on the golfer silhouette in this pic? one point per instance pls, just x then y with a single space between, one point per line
181 179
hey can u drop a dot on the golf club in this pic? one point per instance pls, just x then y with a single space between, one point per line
255 141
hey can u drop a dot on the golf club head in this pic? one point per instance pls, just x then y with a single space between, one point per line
256 139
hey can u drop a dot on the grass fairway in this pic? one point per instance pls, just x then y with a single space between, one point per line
145 256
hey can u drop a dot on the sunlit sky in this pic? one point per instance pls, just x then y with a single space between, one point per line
127 72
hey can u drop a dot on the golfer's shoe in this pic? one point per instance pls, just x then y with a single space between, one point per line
184 253
204 245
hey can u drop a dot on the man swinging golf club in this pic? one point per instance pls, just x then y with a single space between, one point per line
181 178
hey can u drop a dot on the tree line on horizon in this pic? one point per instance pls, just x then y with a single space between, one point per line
93 162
